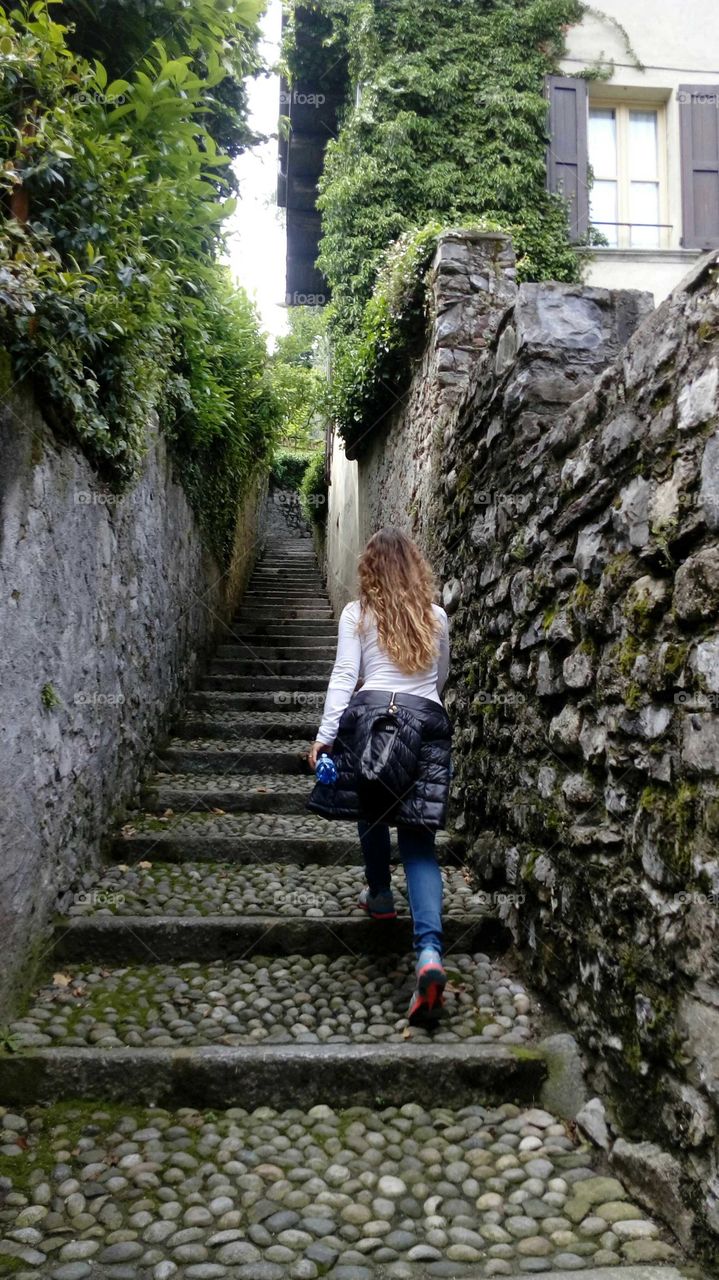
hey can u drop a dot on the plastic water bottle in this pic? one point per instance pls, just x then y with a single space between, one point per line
326 769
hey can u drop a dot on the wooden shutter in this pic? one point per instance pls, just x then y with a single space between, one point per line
699 129
567 151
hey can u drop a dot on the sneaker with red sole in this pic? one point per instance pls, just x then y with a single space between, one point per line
428 1000
380 906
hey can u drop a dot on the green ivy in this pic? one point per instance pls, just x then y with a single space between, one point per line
114 300
445 125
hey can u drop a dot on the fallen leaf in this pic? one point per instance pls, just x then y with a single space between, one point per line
144 866
168 813
220 812
61 979
407 1033
121 866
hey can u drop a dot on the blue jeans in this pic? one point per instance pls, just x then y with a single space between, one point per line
424 878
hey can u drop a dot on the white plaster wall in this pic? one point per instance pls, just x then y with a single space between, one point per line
345 535
677 41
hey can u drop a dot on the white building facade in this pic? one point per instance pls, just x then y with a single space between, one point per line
634 123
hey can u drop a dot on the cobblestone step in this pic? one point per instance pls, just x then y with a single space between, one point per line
157 888
220 841
214 755
310 648
284 629
175 913
316 650
263 683
280 700
260 610
280 725
246 664
265 999
248 792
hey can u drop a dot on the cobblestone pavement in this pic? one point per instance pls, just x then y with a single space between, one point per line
273 888
304 1193
467 1186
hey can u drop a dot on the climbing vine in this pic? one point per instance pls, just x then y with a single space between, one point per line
445 124
113 301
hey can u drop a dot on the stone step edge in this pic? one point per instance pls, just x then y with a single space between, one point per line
163 939
280 1076
240 850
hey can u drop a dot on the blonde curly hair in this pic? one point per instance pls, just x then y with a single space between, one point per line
397 588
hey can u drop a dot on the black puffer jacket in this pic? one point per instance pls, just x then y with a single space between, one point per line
421 803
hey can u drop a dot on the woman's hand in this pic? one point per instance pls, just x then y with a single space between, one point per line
316 750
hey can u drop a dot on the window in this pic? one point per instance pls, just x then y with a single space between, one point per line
626 201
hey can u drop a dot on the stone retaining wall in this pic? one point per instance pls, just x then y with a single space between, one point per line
107 606
582 567
575 528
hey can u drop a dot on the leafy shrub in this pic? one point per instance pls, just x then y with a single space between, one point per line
115 304
288 468
313 490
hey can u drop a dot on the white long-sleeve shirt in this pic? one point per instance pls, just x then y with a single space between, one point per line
360 656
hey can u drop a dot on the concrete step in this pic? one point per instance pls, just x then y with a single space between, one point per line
213 755
131 939
264 684
279 1076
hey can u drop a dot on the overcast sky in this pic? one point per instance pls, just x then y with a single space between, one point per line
257 229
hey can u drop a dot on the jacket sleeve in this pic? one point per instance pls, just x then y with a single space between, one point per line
443 657
344 674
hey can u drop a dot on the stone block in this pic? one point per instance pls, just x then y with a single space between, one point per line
654 1178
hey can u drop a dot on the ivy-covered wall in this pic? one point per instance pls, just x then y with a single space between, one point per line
445 125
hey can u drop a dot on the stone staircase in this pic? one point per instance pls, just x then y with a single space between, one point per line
216 1077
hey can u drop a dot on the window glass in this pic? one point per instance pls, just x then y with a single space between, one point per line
603 141
603 209
643 145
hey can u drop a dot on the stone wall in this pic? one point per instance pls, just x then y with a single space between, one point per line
582 567
397 479
107 606
575 530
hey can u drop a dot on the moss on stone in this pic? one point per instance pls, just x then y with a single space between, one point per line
627 653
